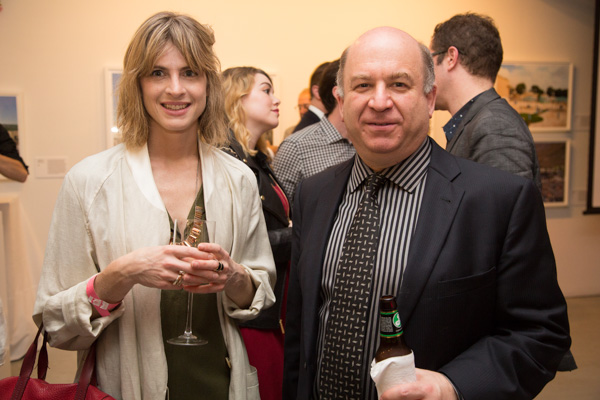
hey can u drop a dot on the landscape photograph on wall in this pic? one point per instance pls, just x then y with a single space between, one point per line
540 92
553 156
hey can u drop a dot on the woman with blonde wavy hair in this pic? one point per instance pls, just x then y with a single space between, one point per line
253 110
109 273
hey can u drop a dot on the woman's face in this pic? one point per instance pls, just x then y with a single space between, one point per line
261 106
174 95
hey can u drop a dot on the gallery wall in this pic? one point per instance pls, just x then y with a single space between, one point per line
55 54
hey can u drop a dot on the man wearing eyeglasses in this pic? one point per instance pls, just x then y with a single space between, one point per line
467 54
302 107
316 109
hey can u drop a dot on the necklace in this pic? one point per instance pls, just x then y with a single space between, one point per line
197 178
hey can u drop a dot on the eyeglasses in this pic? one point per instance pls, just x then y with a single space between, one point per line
437 53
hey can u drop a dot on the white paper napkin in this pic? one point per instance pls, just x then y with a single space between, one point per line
393 371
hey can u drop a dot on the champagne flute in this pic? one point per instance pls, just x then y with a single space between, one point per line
196 231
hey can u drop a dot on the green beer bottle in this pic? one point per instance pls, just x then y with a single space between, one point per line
391 338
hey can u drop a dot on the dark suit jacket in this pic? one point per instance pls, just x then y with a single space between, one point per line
480 300
307 119
493 133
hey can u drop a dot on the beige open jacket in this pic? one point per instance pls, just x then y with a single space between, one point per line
109 206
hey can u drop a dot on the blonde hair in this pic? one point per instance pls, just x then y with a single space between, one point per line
195 42
238 82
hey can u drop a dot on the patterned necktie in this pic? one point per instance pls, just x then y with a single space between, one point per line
341 362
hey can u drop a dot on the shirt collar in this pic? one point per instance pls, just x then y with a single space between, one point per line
450 127
406 174
330 133
315 110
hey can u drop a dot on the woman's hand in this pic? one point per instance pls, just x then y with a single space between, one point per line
156 267
160 267
214 271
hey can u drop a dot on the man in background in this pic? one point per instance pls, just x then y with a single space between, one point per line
316 109
303 105
317 146
12 165
467 53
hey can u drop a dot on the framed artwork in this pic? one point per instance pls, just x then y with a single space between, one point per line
111 81
11 117
553 156
593 186
540 92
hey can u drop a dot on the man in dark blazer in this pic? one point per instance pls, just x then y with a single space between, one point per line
468 53
316 109
478 297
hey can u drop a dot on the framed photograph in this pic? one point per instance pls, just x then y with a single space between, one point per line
540 92
593 186
111 81
11 117
554 156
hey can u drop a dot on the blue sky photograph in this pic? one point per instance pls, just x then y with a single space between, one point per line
8 110
543 75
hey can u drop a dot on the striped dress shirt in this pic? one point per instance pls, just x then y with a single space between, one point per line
399 202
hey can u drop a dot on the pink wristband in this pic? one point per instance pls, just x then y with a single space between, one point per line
102 306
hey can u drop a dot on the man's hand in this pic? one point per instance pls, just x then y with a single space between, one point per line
430 385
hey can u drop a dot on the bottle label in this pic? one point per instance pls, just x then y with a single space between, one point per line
390 325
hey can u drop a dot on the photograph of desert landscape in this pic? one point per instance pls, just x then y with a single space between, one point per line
540 92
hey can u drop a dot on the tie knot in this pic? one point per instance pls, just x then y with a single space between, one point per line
373 183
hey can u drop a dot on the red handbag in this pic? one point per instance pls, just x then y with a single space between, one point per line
27 388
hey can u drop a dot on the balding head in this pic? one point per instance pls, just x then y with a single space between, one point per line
388 95
384 38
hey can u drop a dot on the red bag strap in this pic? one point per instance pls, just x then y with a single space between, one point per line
87 376
43 358
88 373
26 368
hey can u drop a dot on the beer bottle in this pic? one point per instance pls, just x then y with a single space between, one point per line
391 340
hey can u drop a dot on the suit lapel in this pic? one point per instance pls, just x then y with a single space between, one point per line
482 101
441 200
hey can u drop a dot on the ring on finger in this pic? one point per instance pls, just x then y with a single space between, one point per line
220 267
179 280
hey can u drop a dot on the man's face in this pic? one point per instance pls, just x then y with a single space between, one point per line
384 107
303 102
440 78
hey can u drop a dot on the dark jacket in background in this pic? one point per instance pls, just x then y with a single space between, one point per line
8 147
307 119
280 233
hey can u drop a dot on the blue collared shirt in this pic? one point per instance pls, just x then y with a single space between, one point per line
450 127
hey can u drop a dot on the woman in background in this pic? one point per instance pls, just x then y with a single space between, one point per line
253 110
109 238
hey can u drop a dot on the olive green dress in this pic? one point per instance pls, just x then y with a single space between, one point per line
194 372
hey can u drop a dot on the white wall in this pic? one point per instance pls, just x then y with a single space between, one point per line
55 53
